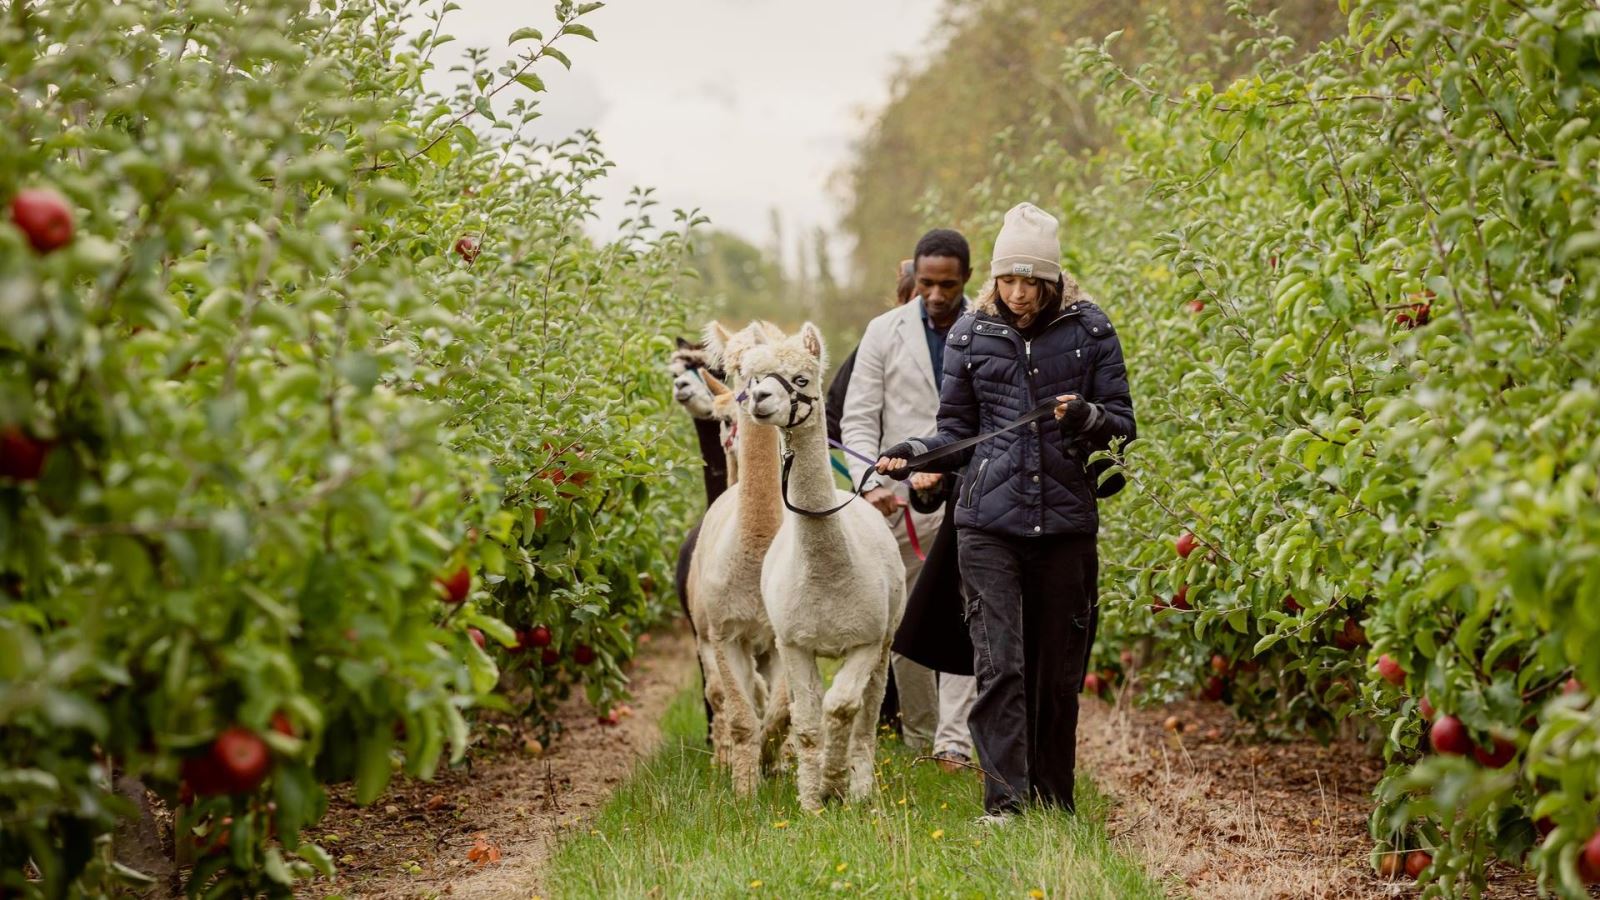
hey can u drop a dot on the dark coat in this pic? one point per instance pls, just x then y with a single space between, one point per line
1031 481
933 631
836 391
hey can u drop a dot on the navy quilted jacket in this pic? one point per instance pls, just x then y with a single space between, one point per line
1031 481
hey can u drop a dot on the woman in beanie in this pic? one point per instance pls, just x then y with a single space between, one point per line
1027 515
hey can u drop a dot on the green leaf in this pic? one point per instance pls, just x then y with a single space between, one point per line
525 34
372 765
318 858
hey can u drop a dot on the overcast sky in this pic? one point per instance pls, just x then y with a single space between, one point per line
737 107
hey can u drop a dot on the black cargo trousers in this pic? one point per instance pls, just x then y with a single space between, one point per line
1032 608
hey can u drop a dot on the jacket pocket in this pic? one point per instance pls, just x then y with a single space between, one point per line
975 484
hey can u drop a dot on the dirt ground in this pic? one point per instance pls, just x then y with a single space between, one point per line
441 838
1229 819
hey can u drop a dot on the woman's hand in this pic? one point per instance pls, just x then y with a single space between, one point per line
925 481
893 462
1072 410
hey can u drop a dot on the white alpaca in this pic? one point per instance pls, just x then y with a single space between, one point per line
724 588
833 586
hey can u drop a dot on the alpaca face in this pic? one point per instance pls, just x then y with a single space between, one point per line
783 380
728 349
690 390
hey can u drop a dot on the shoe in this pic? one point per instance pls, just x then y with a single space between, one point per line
951 762
993 820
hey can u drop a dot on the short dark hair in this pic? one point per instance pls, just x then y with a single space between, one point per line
945 242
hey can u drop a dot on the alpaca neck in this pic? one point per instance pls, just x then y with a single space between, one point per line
760 505
811 475
709 433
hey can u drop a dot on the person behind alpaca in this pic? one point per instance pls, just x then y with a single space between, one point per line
894 395
1028 515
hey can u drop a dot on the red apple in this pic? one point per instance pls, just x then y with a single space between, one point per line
550 656
1390 670
21 456
467 248
1186 544
236 763
1450 737
539 516
1417 862
1589 859
1195 305
583 654
282 725
1180 600
44 217
539 636
1127 659
1157 605
607 720
1214 688
455 587
476 635
1500 752
1219 664
1572 686
1425 708
1291 604
1092 684
1390 865
1351 636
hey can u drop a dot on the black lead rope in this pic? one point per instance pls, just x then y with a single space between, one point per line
1047 408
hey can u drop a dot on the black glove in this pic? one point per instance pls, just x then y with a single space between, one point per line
902 450
1076 415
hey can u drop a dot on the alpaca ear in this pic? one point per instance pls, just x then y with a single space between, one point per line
713 384
716 339
811 338
685 345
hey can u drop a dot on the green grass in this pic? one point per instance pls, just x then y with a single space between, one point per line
676 829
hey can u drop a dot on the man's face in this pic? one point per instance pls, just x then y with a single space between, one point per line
941 283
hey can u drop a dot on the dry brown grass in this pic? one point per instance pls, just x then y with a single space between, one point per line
1230 819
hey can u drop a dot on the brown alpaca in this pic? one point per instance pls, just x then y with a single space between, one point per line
724 587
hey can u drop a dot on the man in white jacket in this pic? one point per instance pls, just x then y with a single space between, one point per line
893 396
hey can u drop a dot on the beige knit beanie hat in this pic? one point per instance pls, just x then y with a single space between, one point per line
1027 245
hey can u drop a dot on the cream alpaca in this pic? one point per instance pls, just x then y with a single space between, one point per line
833 586
725 586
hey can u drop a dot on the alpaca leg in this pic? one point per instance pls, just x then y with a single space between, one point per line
864 737
715 699
840 708
805 687
744 724
775 716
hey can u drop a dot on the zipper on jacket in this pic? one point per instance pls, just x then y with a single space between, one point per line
976 481
1038 433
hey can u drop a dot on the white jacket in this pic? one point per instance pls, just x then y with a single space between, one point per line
892 396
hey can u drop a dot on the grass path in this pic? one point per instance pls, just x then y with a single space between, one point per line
676 829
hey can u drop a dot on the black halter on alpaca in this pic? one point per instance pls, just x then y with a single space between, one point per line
798 398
